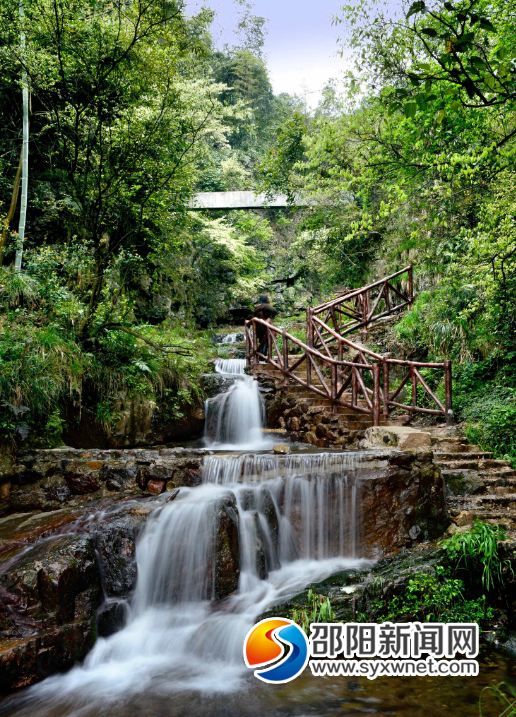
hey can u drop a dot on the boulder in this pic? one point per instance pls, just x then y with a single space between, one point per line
121 478
156 486
111 617
402 505
81 484
281 448
43 585
402 437
227 550
115 539
463 482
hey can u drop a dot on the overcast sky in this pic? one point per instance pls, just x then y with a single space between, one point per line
301 43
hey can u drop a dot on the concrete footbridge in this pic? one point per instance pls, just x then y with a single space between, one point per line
241 200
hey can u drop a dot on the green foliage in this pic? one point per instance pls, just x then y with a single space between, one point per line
505 695
476 551
276 169
432 598
319 610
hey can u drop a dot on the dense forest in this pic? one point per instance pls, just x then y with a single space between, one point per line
133 108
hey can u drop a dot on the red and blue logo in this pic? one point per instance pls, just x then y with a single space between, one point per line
266 646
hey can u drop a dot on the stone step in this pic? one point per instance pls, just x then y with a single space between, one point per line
440 456
445 446
489 500
496 517
491 466
471 464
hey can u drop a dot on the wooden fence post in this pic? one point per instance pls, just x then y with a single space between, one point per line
386 296
247 346
414 388
354 386
310 343
376 394
334 374
269 343
256 360
448 390
410 285
386 389
285 359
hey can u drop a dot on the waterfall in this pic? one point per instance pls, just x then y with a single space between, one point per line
256 531
232 338
250 467
232 367
235 419
260 541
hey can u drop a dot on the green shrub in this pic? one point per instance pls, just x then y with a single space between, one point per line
430 598
319 610
476 552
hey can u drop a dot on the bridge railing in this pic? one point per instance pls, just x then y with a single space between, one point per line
357 309
374 382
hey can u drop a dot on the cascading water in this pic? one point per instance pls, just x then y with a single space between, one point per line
234 419
286 531
258 529
231 367
232 338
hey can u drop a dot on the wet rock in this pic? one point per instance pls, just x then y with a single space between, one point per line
80 484
25 476
48 578
227 550
261 565
159 472
463 482
140 423
294 424
5 497
118 479
28 660
192 477
155 486
115 542
402 506
464 518
111 617
281 448
46 494
310 437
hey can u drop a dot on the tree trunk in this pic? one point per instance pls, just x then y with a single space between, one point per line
12 208
25 156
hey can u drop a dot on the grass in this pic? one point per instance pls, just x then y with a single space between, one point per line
319 610
477 551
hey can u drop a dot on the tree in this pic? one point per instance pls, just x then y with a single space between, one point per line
117 119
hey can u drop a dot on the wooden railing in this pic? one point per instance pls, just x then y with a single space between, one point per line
373 382
357 309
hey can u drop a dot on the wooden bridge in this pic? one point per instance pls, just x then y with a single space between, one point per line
362 380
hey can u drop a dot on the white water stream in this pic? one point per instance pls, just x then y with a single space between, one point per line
234 419
294 521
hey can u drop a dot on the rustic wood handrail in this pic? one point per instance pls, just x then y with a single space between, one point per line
335 374
360 307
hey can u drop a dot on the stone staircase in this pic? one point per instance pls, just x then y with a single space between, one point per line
478 486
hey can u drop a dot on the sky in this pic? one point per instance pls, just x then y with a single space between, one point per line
301 45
